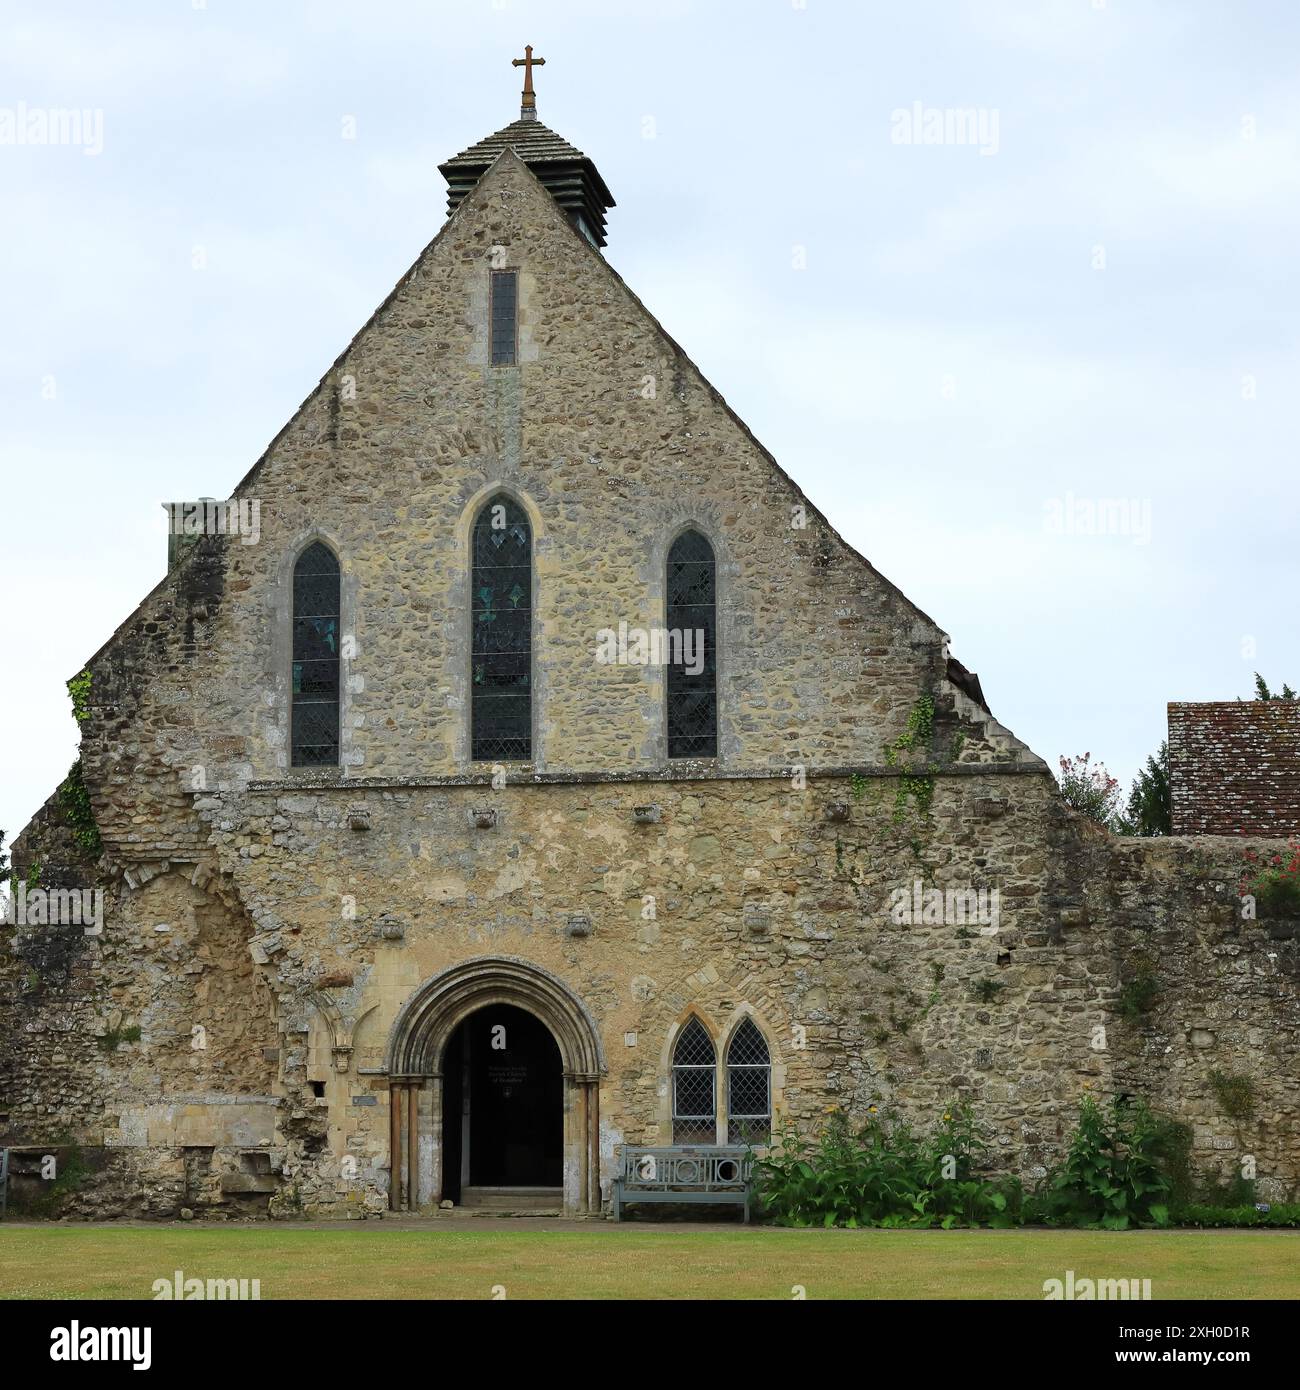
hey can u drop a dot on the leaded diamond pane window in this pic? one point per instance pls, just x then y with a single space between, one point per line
314 718
505 294
749 1090
694 1079
692 680
502 619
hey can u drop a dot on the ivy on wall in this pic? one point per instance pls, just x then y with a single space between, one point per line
79 689
74 799
78 816
918 786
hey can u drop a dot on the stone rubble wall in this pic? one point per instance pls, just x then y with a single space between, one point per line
761 904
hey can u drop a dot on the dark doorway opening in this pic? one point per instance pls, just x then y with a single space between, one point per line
503 1104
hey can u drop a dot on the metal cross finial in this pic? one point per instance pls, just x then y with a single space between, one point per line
528 108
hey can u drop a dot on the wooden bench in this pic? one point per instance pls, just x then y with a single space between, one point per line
709 1173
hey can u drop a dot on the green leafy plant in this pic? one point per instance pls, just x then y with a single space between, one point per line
1273 882
1138 993
79 689
71 1174
937 973
884 1174
919 786
1281 1214
1125 1168
1171 1142
110 1040
1236 1191
920 727
1113 1175
986 990
1236 1095
78 815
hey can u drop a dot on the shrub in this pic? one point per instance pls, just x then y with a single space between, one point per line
1273 883
1125 1168
1113 1175
1215 1192
1139 991
884 1175
1236 1095
1092 791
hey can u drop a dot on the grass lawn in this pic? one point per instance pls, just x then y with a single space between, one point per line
543 1260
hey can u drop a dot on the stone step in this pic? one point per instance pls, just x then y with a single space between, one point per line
501 1200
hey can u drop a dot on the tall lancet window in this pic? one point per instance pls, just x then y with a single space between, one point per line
749 1086
694 1080
504 317
692 648
314 719
502 644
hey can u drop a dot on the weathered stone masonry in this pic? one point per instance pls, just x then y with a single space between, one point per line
294 946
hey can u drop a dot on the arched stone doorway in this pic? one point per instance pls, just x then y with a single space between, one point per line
416 1063
502 1111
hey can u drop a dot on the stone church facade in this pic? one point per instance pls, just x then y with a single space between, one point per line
426 873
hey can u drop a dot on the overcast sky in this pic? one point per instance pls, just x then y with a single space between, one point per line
1087 296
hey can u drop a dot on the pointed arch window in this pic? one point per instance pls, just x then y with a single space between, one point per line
749 1086
692 666
694 1085
314 720
502 639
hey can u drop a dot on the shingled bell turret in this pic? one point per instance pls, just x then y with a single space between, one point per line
565 172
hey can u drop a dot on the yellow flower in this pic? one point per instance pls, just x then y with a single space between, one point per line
946 1118
1087 1085
871 1109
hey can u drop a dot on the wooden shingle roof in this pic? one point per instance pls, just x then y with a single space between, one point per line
566 173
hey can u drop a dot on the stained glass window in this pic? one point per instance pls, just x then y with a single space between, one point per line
505 290
694 1082
749 1091
692 670
315 715
502 645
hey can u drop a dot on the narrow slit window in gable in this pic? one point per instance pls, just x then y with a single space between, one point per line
503 317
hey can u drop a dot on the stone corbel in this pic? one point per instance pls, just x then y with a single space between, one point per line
341 1028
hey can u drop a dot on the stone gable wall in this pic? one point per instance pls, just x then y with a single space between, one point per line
302 910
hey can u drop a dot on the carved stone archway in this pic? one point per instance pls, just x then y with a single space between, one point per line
414 1060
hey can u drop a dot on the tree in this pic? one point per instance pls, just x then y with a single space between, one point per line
4 860
1092 791
1262 691
1148 809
